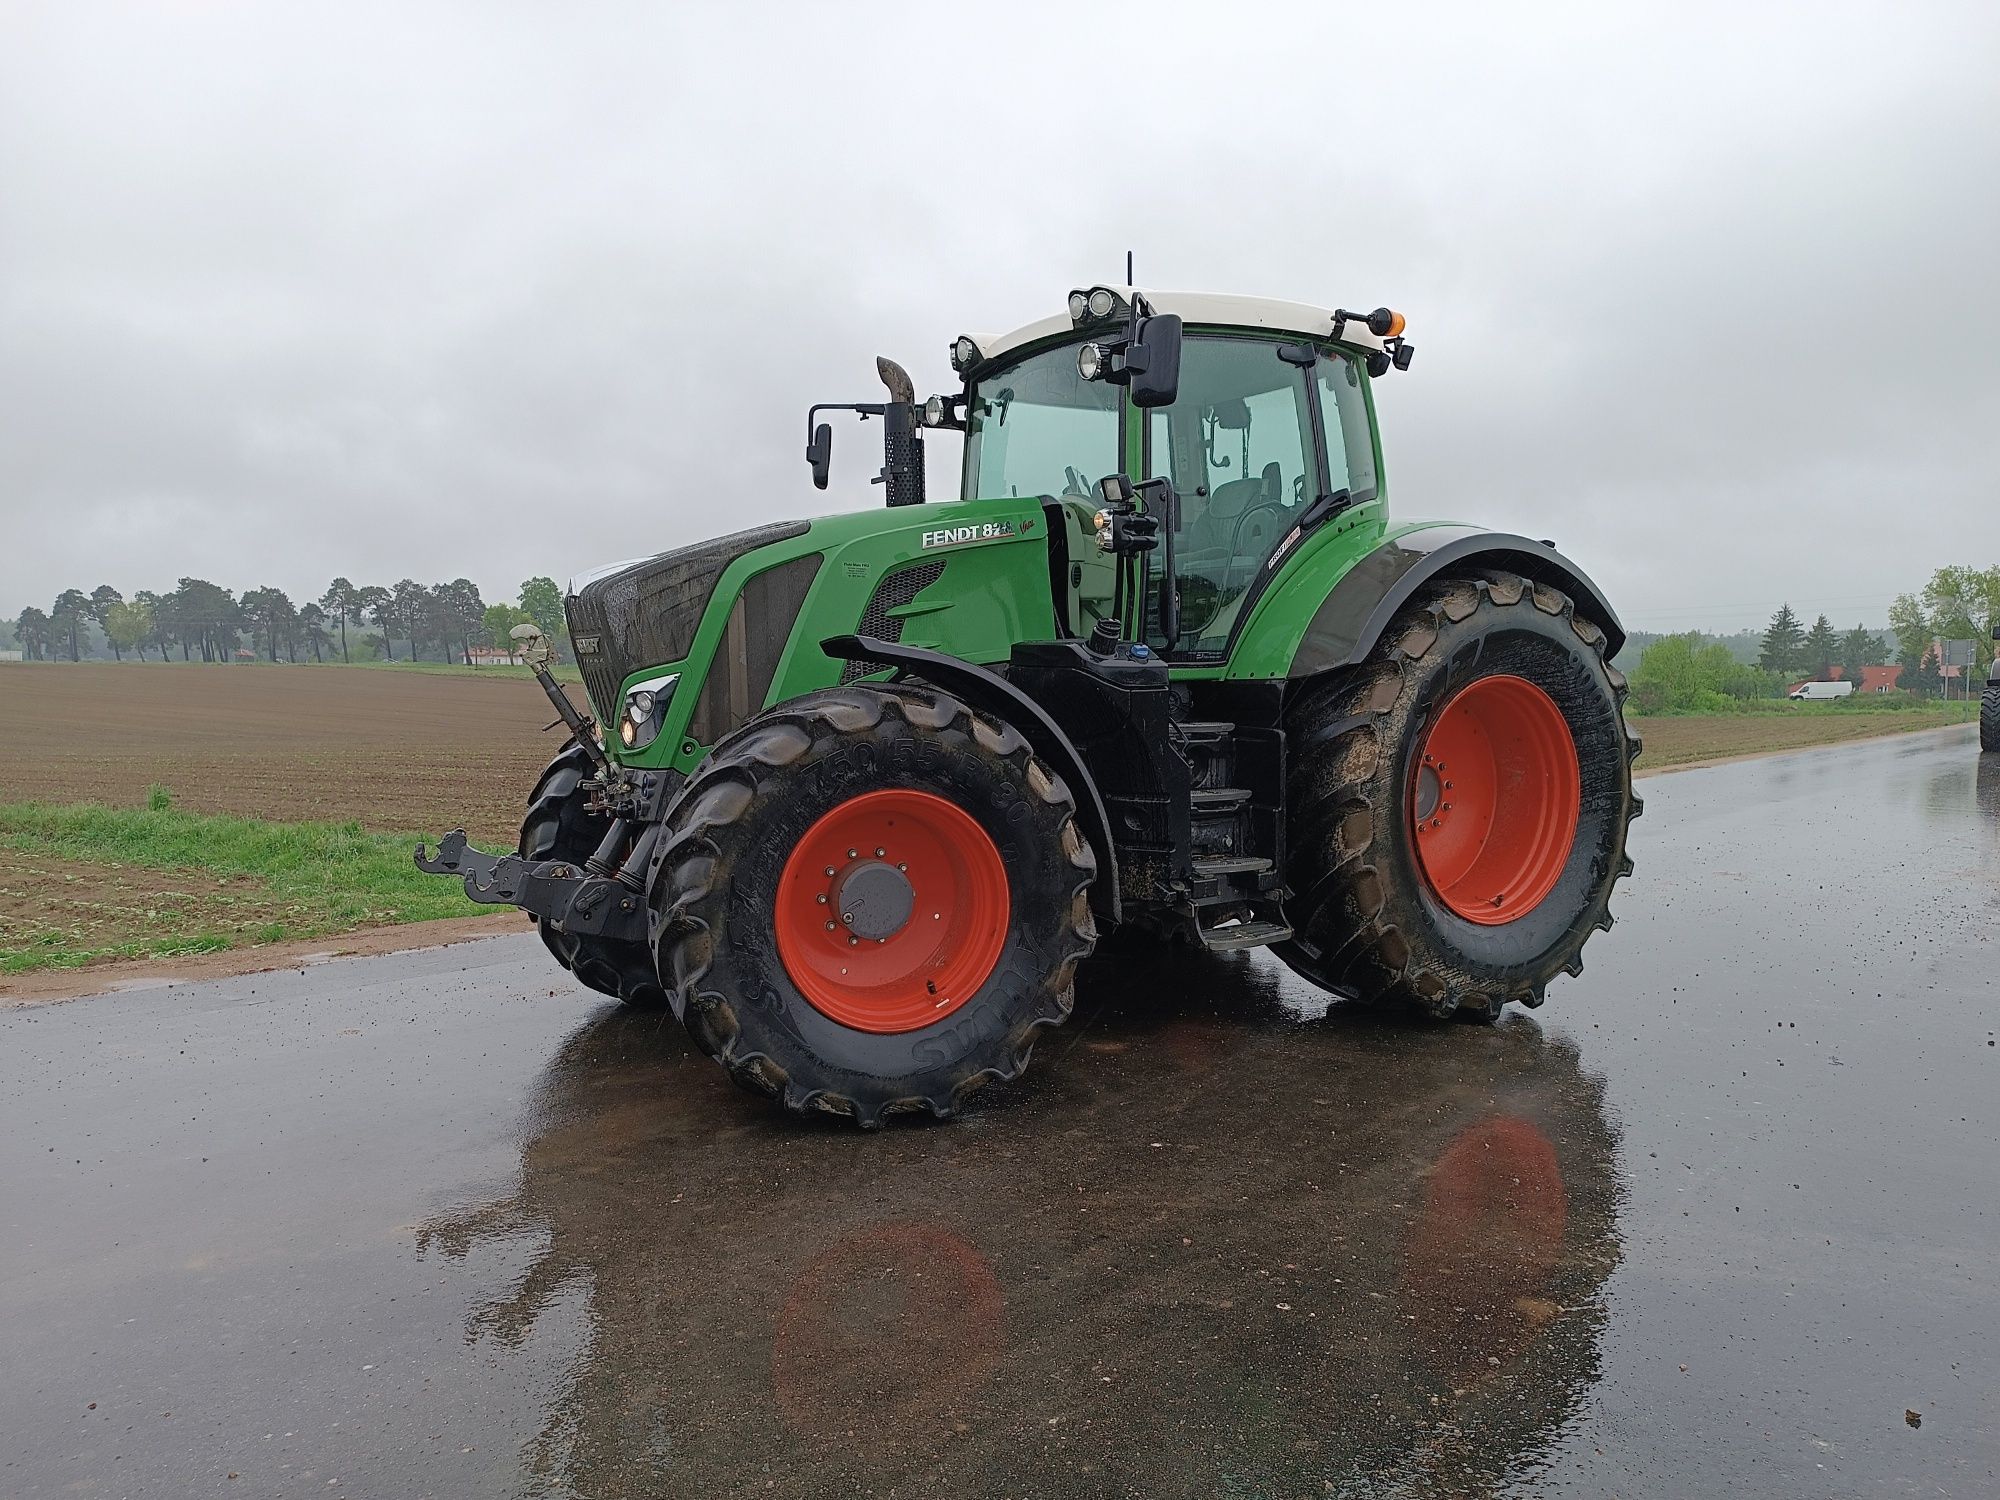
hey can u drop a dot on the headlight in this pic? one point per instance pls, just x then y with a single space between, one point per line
1079 304
1102 302
645 711
935 412
964 354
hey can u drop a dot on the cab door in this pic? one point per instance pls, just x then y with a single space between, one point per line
1241 445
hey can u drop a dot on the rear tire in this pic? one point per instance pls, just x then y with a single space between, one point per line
559 825
987 845
1989 719
1377 914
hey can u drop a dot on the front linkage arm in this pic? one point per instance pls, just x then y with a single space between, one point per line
567 896
602 897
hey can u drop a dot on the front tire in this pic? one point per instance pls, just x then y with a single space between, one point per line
560 825
1989 720
872 900
1458 806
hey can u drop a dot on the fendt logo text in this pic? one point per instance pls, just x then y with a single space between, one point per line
953 534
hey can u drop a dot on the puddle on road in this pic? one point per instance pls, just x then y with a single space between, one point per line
1244 1250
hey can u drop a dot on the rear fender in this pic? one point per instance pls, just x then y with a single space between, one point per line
986 690
1358 609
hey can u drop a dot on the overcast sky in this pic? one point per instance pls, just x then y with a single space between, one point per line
1709 296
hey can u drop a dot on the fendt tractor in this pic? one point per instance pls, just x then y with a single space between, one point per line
1989 702
860 793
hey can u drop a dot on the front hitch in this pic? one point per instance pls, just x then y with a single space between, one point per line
567 896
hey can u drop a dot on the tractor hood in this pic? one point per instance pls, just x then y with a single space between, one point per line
645 613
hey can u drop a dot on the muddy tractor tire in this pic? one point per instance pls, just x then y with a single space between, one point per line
872 900
559 825
1458 805
1989 719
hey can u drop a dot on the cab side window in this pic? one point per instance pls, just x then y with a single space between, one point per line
1343 409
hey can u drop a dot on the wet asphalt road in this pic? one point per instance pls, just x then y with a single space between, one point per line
1710 1222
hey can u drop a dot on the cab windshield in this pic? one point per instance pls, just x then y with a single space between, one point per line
1038 428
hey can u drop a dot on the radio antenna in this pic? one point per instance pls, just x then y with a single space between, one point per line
1128 269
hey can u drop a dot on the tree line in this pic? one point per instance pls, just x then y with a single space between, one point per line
203 620
1696 673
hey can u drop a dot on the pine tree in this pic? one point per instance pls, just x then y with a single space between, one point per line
1820 649
1784 642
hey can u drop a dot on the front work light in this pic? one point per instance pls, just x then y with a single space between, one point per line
645 711
1079 304
964 354
1091 362
1102 302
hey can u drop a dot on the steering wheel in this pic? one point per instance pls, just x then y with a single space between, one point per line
1078 485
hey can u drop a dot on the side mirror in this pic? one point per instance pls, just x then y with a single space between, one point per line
819 453
1153 360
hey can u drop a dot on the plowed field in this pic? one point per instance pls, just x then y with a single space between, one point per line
394 751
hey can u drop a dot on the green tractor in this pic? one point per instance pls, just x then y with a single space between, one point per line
869 788
1989 702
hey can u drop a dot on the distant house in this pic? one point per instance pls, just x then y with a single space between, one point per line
489 656
10 655
242 655
1874 679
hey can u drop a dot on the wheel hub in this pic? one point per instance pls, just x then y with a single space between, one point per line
874 899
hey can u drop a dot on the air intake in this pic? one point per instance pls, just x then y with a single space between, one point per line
646 615
760 623
877 620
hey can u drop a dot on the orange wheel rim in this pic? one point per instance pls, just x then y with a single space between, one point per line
892 911
1494 799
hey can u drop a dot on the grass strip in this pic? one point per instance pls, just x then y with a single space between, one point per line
241 882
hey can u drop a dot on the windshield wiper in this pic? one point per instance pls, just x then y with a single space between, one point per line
1323 508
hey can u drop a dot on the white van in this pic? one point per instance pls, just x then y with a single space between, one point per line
1811 691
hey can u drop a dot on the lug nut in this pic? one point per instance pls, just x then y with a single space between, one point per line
880 852
854 854
829 927
821 898
829 869
847 917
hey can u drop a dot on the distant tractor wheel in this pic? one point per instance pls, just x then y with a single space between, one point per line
1459 804
1989 719
559 825
872 900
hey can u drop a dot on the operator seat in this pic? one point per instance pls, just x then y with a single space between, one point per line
1214 530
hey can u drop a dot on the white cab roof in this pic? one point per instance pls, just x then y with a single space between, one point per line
1209 309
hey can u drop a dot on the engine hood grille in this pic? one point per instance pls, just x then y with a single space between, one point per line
647 614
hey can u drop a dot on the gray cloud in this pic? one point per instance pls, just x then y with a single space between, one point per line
292 291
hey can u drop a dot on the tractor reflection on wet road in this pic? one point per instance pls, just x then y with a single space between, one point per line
1221 1242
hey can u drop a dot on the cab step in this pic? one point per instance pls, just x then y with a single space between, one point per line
1205 731
1219 798
1230 864
1240 935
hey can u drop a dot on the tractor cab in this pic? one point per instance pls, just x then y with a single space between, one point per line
1267 433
